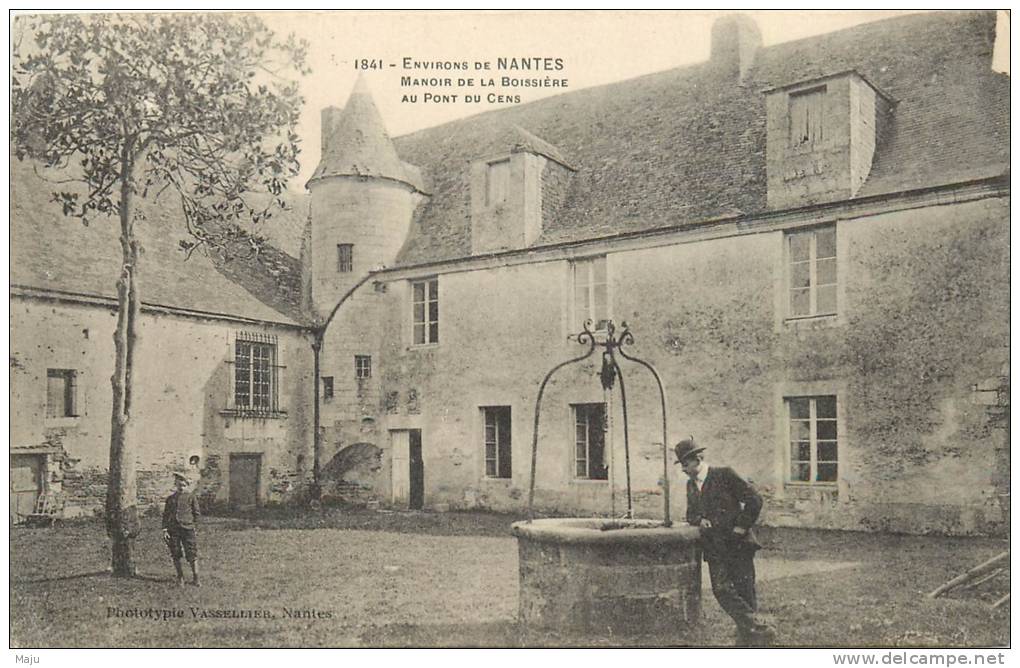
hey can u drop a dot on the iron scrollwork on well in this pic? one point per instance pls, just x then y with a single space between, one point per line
608 375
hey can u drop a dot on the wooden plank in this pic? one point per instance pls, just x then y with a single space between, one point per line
973 573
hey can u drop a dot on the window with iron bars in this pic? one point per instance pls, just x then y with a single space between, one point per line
256 375
345 258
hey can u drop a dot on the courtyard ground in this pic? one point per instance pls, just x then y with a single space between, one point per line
378 579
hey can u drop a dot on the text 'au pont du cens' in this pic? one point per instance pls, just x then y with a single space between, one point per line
434 81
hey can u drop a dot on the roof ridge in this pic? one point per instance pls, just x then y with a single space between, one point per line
692 66
687 142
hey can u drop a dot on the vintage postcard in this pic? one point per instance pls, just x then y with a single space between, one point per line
511 329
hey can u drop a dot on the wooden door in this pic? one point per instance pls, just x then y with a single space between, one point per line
399 468
26 485
417 470
245 474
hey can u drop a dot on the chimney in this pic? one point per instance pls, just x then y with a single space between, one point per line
1000 51
735 43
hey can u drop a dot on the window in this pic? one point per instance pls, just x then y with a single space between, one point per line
590 442
497 441
362 366
344 258
425 296
814 445
61 387
812 280
255 373
327 387
807 117
497 182
591 296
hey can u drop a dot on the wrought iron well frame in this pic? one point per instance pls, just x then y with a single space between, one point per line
610 371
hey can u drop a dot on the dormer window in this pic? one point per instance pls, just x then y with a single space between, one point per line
822 138
523 179
497 182
807 117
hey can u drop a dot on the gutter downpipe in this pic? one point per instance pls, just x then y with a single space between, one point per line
319 335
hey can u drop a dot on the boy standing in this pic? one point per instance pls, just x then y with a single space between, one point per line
179 516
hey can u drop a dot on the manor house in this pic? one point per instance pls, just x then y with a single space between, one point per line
809 241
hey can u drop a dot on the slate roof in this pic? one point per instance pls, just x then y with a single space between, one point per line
357 144
53 252
672 148
688 144
520 140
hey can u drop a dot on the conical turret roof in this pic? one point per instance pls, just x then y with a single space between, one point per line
356 142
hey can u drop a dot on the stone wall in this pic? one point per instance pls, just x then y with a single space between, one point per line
923 317
181 396
352 415
372 214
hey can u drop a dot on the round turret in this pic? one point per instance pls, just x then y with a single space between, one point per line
363 199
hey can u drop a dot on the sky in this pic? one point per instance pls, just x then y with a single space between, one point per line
595 47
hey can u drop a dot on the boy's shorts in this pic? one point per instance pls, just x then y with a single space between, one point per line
182 537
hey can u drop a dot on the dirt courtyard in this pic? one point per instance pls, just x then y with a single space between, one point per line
362 579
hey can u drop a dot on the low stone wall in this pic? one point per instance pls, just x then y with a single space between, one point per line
351 493
83 490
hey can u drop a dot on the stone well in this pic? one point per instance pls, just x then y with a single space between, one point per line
615 577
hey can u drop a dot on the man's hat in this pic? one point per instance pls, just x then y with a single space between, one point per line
180 476
686 448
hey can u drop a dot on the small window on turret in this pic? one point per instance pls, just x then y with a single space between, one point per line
344 258
497 182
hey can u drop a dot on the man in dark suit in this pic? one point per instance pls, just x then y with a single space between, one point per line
180 514
725 507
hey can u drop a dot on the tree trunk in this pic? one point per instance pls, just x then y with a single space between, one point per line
122 522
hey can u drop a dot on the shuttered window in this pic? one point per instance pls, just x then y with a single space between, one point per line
497 442
807 117
590 442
